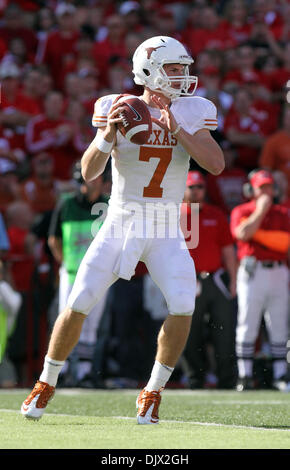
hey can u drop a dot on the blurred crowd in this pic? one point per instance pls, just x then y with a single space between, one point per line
58 58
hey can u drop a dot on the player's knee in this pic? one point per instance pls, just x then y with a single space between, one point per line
183 303
82 302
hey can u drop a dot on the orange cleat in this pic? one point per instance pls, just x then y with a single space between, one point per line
148 405
34 405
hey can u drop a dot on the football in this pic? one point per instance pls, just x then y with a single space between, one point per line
136 123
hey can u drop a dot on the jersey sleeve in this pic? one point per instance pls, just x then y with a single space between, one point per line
101 109
209 120
198 113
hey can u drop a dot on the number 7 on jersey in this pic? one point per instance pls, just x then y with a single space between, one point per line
165 156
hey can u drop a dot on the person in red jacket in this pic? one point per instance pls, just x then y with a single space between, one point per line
215 263
261 229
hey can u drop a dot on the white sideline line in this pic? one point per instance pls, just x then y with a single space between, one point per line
247 402
238 426
196 423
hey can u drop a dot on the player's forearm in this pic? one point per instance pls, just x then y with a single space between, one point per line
94 161
204 150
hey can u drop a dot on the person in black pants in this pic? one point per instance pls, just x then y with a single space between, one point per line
216 265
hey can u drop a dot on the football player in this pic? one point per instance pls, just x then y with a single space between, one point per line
142 177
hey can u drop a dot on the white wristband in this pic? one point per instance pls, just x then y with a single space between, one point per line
103 145
176 130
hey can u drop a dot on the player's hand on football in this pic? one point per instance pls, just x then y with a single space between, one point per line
167 120
113 118
114 113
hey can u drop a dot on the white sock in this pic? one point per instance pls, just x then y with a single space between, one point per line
159 376
245 367
51 370
279 369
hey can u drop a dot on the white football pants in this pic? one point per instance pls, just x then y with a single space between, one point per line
110 257
266 292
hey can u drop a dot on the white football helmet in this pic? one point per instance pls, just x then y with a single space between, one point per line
149 59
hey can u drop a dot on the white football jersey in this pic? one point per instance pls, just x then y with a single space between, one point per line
157 171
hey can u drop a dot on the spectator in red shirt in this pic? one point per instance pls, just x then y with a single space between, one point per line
163 21
89 83
209 35
44 24
21 255
236 21
83 58
266 12
120 79
193 21
41 190
72 89
130 12
262 230
52 133
45 86
246 127
17 54
215 263
32 87
13 27
112 47
208 59
246 73
132 41
83 133
60 47
16 108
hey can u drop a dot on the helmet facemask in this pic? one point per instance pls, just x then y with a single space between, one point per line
164 83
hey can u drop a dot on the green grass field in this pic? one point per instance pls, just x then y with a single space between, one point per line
93 419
